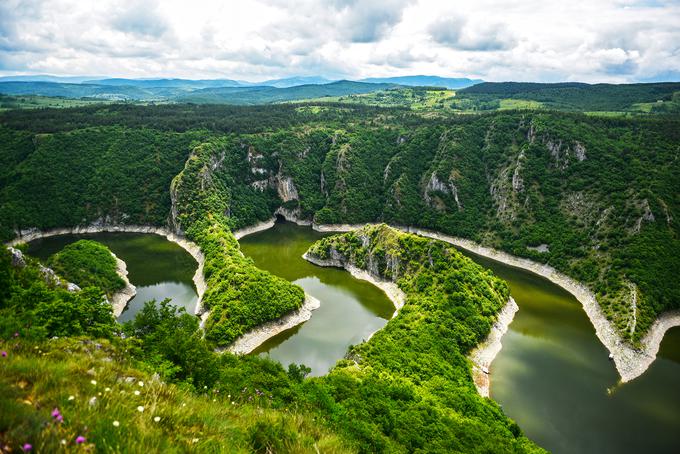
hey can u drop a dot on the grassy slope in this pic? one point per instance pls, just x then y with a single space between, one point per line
39 377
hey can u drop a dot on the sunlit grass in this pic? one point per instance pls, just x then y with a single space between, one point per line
117 408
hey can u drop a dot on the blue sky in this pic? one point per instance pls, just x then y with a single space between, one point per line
532 40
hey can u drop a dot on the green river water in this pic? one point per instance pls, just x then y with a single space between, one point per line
158 268
552 375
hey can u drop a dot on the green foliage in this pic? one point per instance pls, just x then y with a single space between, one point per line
172 344
87 264
35 306
239 296
509 180
410 388
95 386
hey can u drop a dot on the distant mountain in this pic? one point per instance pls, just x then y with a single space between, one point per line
295 81
427 81
173 83
48 78
76 91
267 95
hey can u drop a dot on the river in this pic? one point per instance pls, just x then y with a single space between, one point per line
552 375
157 267
351 309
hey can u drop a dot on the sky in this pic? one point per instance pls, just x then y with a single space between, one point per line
495 40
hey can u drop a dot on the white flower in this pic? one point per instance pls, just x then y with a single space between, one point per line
107 389
195 440
141 383
136 393
140 409
116 424
63 442
156 418
94 382
184 405
71 397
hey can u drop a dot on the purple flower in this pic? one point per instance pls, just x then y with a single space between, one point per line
27 447
17 335
4 354
80 439
55 413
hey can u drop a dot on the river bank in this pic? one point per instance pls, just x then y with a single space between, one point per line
255 337
120 299
391 290
190 247
484 354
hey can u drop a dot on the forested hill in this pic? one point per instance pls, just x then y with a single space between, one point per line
576 96
594 197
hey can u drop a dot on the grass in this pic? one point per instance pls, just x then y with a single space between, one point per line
414 98
93 386
519 104
38 102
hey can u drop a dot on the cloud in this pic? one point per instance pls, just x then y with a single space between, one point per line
456 33
141 19
587 40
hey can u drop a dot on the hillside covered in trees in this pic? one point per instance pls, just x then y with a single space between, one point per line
594 197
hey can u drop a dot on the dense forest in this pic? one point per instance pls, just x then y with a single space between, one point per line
574 96
594 197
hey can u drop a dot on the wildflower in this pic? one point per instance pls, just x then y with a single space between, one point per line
156 418
140 408
136 393
94 382
195 440
55 413
116 424
93 401
16 334
63 442
141 383
4 354
107 390
80 439
71 397
27 447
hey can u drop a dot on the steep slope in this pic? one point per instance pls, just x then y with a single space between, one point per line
595 198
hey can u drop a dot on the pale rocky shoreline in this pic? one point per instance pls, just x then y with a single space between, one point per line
120 299
484 354
391 290
257 336
630 362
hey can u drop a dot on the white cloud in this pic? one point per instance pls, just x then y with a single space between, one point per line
596 40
